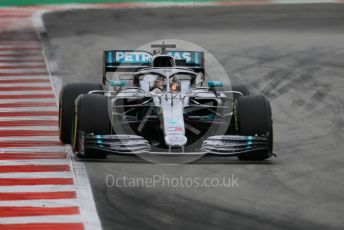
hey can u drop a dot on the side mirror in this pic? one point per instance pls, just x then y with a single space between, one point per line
199 79
119 83
212 84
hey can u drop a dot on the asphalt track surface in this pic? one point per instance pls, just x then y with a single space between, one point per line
293 54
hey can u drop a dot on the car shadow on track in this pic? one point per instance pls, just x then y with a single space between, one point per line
203 160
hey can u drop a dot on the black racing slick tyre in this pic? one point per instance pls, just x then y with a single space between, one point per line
67 98
253 117
91 116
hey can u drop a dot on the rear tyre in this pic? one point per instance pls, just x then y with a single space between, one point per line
67 98
91 116
253 117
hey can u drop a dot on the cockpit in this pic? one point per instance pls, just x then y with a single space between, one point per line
163 75
161 80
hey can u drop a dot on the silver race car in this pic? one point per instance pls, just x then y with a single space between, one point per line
156 103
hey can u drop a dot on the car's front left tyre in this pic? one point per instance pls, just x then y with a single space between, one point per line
253 118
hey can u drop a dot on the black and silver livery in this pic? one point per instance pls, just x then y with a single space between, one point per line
156 103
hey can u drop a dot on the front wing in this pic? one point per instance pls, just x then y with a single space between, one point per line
230 145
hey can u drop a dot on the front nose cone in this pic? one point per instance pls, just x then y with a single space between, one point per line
175 140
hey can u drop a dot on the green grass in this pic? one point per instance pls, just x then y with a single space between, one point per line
49 2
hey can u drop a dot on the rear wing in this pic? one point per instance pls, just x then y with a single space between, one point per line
133 60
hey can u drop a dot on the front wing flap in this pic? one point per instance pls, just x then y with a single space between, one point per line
230 145
234 145
126 144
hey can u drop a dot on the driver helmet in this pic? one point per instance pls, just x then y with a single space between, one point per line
175 85
160 84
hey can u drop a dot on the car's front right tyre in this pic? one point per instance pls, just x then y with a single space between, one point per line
91 116
68 94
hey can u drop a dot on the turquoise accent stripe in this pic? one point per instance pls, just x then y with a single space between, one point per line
110 57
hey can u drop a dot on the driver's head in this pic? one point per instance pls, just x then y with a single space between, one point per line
160 84
174 86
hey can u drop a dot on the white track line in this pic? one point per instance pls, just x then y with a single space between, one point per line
24 92
38 138
21 46
35 70
20 78
34 162
33 150
42 148
20 64
25 84
45 128
21 52
19 43
4 101
27 58
41 203
40 118
28 109
38 188
44 219
38 175
38 147
14 104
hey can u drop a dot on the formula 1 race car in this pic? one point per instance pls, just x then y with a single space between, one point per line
154 103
